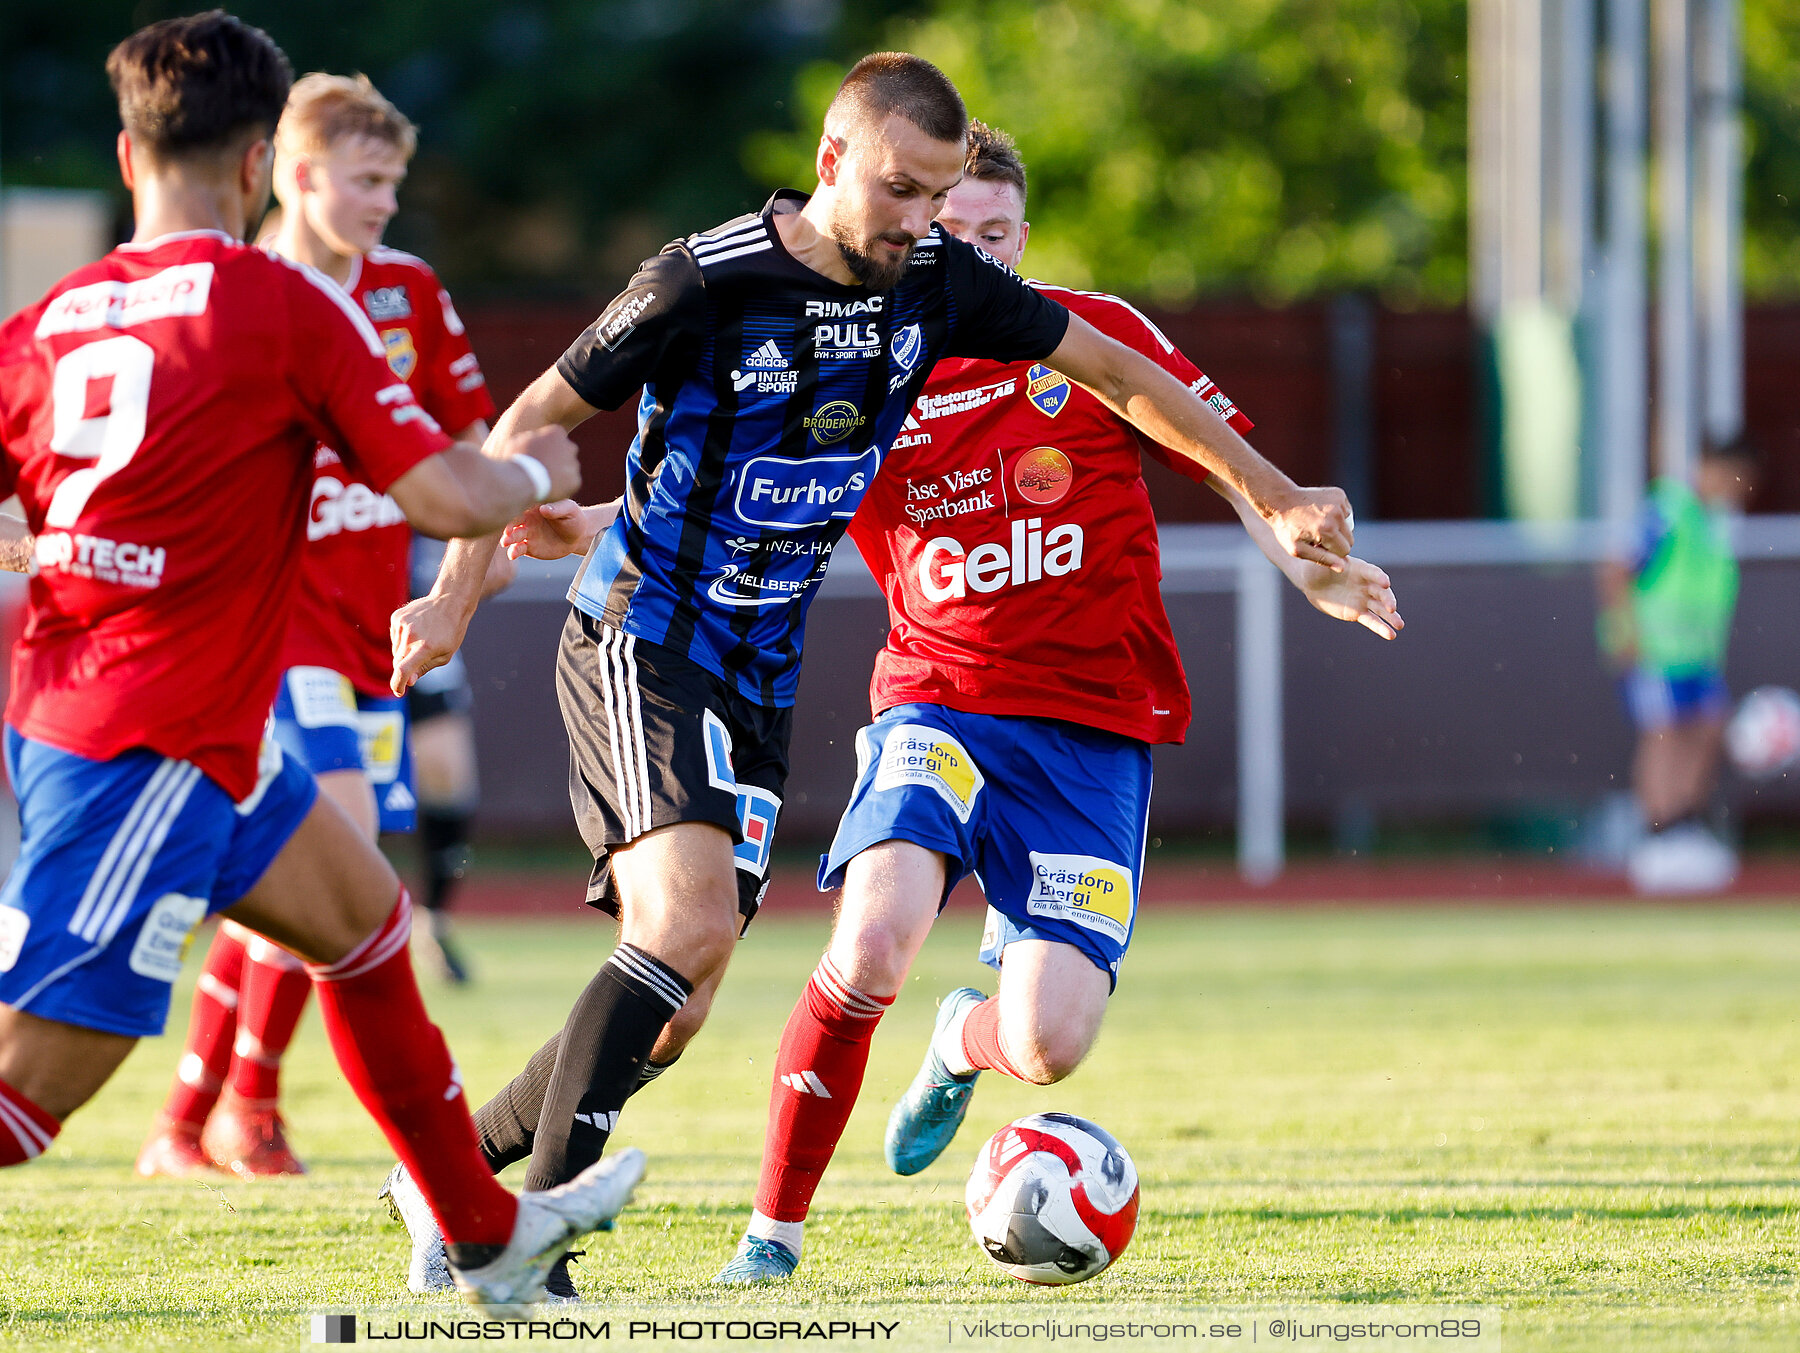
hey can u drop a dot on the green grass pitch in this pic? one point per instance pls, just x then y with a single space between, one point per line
1587 1117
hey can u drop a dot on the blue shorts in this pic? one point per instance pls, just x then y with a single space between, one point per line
1048 816
1657 700
118 862
326 724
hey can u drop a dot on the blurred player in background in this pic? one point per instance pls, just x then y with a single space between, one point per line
441 724
1665 622
159 416
777 357
1029 669
341 152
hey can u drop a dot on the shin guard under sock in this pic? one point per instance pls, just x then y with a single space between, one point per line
395 1060
818 1074
600 1060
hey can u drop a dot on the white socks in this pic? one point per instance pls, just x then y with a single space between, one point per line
949 1045
786 1233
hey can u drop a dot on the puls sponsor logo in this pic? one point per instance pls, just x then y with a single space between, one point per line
952 495
947 572
107 561
1093 893
337 506
962 401
799 495
850 339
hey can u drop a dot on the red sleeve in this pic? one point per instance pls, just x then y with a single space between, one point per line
1123 321
341 375
451 387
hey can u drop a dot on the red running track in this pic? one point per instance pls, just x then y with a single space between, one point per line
1328 884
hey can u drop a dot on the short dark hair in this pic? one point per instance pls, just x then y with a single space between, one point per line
994 157
899 82
192 86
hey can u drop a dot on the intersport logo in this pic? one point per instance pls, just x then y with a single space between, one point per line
948 572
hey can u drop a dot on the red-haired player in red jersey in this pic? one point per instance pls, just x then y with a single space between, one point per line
158 415
1028 670
341 152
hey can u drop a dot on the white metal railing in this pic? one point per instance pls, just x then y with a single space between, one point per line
1219 559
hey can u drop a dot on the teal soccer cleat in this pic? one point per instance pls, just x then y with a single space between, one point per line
758 1261
932 1109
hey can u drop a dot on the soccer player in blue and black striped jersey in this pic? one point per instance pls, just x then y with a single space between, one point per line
778 356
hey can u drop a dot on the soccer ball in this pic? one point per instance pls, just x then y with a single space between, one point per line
1763 737
1053 1198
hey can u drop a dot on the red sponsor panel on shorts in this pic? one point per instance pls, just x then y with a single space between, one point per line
158 414
354 574
1013 537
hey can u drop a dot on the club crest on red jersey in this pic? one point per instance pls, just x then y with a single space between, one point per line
1043 476
1047 389
402 356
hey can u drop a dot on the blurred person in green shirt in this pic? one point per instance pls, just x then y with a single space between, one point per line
1664 625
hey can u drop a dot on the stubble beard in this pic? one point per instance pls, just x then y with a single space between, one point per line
873 273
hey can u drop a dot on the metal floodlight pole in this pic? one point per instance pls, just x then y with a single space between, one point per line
1718 223
1262 792
1624 373
1676 421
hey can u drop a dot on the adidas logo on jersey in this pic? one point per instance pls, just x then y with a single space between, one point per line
766 358
399 799
806 1083
911 434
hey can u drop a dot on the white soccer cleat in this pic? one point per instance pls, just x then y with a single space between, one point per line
429 1270
548 1221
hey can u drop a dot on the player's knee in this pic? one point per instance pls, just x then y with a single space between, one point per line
1046 1056
877 957
686 1023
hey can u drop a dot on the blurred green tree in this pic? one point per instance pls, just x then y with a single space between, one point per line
1287 146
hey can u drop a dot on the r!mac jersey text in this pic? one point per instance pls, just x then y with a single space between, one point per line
158 414
1013 537
355 569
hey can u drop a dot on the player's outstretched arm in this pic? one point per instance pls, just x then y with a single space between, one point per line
1308 523
427 632
557 530
1357 591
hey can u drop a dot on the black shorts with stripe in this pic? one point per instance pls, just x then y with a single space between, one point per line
654 739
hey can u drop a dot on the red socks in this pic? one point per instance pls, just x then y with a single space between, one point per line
272 997
395 1060
818 1073
25 1129
981 1041
201 1074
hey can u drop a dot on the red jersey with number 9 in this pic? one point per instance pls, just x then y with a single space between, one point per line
1012 534
354 572
158 414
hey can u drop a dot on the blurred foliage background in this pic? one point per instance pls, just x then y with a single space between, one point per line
1274 148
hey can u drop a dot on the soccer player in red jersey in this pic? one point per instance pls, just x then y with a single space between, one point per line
1028 670
341 152
158 414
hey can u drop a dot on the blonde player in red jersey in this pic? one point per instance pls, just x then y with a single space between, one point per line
182 372
1028 669
341 153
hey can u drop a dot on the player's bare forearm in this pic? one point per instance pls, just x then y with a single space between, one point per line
1357 592
1310 523
16 545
